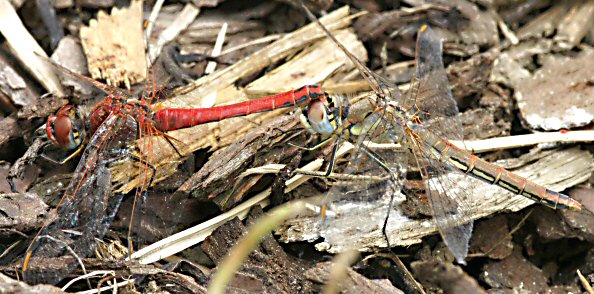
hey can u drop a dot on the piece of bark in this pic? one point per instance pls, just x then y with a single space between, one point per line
219 175
47 266
9 129
114 46
575 25
582 221
481 123
95 4
21 212
353 282
558 95
17 170
551 226
451 278
514 13
267 269
515 272
545 23
8 285
14 86
492 237
172 282
69 54
26 49
470 76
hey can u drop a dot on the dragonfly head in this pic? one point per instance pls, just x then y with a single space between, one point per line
317 117
66 127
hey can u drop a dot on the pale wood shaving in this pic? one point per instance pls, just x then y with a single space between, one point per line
26 49
114 46
181 22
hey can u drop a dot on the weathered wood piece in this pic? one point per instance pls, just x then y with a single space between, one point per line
114 46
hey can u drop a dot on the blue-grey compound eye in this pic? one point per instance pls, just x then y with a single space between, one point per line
317 115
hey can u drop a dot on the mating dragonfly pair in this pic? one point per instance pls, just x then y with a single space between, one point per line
422 121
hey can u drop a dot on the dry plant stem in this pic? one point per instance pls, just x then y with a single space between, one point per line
216 51
181 22
150 22
505 30
238 253
87 276
71 251
515 229
211 98
479 146
407 276
585 283
271 54
339 270
526 140
265 39
112 287
25 48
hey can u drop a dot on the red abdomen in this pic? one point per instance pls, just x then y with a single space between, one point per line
179 118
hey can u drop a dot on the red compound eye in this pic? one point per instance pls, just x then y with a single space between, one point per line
59 127
62 130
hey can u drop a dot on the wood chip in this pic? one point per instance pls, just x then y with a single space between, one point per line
114 46
26 49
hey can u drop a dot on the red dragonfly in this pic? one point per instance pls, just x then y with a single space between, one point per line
116 123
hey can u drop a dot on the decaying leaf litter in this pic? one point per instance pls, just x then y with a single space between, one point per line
514 69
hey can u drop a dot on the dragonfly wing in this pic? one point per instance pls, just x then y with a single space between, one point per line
433 104
449 197
432 98
64 72
87 208
357 204
377 83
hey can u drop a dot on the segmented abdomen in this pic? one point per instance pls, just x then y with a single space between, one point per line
491 173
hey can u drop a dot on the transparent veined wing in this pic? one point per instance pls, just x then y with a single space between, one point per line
430 99
87 207
361 198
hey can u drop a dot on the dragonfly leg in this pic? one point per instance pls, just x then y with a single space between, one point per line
68 158
393 177
317 146
332 160
172 146
138 218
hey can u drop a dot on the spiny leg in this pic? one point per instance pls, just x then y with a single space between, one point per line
143 198
173 146
393 178
315 147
